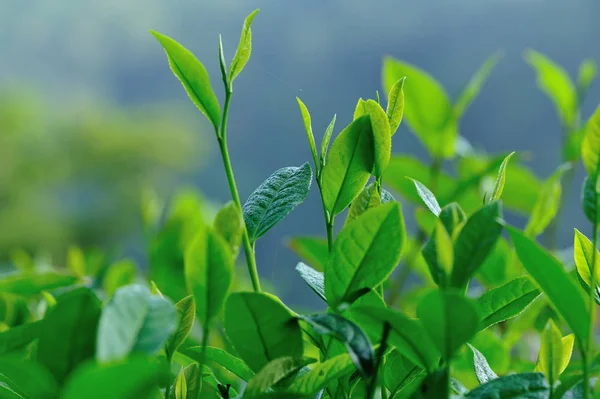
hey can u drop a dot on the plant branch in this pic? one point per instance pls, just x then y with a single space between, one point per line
378 361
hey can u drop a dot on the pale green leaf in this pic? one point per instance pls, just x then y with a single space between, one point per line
313 278
193 382
590 147
309 132
186 311
222 358
312 250
229 224
368 198
321 374
499 185
428 198
474 86
395 105
555 352
242 54
585 260
382 136
588 71
483 371
119 274
30 284
326 140
180 386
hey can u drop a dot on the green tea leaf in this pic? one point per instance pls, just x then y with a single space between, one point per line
483 371
275 198
274 372
186 311
356 341
430 114
499 185
400 373
428 198
438 251
229 224
119 274
590 199
382 137
499 268
588 70
475 241
550 275
349 165
555 352
326 140
449 318
193 382
313 250
193 76
321 374
208 273
27 284
180 386
135 377
261 328
583 253
368 198
506 302
67 336
364 253
19 336
242 54
474 86
224 359
524 385
13 309
26 379
134 321
547 204
309 132
590 146
408 335
553 80
395 105
314 279
435 385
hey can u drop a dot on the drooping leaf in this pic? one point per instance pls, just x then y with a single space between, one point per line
26 379
407 335
242 54
27 284
309 132
275 198
134 321
501 179
326 140
474 86
135 377
349 164
518 386
356 341
261 328
193 76
312 250
364 253
119 274
506 302
223 358
229 224
382 136
321 374
19 336
395 105
368 198
186 311
314 279
67 336
475 241
583 253
551 277
208 273
449 318
555 352
590 147
429 114
428 198
553 80
483 371
274 372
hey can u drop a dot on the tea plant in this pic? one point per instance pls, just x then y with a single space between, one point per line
98 330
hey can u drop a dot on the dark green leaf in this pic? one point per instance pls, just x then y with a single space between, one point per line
434 386
349 164
224 359
275 198
274 372
550 275
395 105
242 54
25 378
186 311
312 250
501 179
68 333
475 241
590 197
438 252
208 273
134 321
475 84
13 309
27 284
261 328
583 253
382 137
506 302
364 253
229 224
483 371
19 336
400 373
356 341
309 132
515 386
193 76
322 374
314 279
449 318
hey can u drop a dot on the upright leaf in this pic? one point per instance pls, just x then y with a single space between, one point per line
193 382
242 54
180 386
499 185
68 333
134 321
349 165
549 274
583 252
274 372
555 352
382 136
547 204
449 318
483 371
438 252
590 198
364 253
368 198
395 105
309 132
314 279
356 341
186 311
523 386
229 224
590 147
474 86
475 241
588 70
275 198
193 76
119 274
506 301
428 198
326 140
261 328
208 273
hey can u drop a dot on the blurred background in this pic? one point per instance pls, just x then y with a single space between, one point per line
91 117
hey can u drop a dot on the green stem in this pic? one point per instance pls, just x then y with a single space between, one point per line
585 369
378 362
329 219
222 138
205 335
591 312
168 388
329 222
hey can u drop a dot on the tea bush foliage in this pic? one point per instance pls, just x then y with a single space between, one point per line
477 308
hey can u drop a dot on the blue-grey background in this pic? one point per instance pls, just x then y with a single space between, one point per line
75 54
